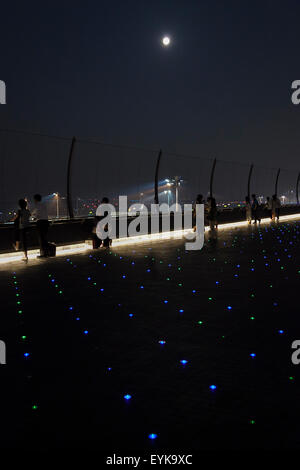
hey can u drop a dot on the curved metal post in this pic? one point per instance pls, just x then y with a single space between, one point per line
297 188
212 177
276 183
156 178
249 179
69 198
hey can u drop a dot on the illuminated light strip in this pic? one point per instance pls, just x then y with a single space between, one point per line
180 233
244 223
82 247
60 251
175 234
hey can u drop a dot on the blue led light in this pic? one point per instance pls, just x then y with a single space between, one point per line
26 354
183 361
127 397
213 387
280 332
152 436
162 342
165 301
229 307
181 310
85 332
252 354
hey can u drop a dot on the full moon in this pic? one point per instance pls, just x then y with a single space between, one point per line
166 41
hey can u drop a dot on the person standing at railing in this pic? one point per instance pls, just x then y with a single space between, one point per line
21 223
199 200
268 207
255 209
275 207
40 213
212 215
248 210
97 242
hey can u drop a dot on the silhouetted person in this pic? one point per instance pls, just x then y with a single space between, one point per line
212 213
199 200
268 207
21 224
97 242
255 209
248 210
275 207
40 213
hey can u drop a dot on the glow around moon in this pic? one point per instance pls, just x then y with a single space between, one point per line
166 40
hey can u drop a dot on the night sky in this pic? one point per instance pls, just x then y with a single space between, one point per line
97 70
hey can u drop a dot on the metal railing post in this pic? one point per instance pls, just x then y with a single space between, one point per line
69 174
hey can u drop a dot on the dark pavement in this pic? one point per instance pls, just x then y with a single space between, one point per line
92 325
